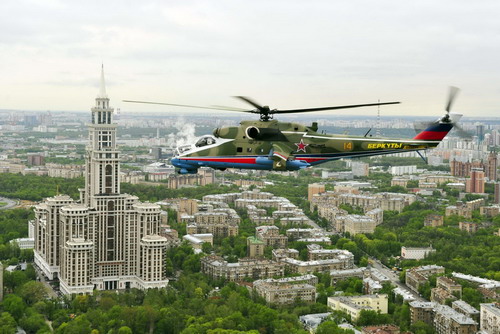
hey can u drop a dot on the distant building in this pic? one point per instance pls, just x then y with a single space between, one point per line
401 170
463 307
417 276
314 188
434 220
489 211
359 168
342 261
197 240
255 247
156 153
476 182
416 253
446 289
271 237
287 290
36 159
24 243
312 321
470 227
492 167
216 267
444 319
490 318
353 305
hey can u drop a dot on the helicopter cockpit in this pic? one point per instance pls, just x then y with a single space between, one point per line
203 141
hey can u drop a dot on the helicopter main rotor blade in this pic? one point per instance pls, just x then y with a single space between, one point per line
250 101
451 98
178 105
332 108
231 108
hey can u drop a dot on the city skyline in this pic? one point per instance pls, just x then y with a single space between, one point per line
284 54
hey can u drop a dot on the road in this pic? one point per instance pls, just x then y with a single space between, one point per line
394 277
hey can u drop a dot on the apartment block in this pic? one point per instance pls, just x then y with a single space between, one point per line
434 220
416 253
343 260
255 247
490 318
287 290
466 309
353 305
417 276
469 227
217 268
271 237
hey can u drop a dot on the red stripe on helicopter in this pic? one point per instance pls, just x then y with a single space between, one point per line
245 160
311 159
431 135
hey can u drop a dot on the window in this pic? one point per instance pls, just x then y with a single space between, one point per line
249 149
239 149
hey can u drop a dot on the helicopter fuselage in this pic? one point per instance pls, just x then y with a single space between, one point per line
273 145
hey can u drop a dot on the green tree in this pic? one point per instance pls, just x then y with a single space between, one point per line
33 291
7 323
14 305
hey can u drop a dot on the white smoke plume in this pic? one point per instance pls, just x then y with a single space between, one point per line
185 133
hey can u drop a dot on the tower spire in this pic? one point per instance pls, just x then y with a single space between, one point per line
102 90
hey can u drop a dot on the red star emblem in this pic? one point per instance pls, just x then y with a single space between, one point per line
301 146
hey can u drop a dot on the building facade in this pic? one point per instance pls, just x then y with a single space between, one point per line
105 240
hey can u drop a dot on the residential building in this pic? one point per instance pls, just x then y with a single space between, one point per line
445 290
422 311
342 261
490 318
197 240
417 276
108 240
313 189
356 224
449 321
444 319
476 182
287 290
217 268
416 253
316 252
255 247
463 307
359 168
280 254
271 237
434 220
489 211
469 227
353 305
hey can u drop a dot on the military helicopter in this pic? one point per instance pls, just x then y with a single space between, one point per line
268 144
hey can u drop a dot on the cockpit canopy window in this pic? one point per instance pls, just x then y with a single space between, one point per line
204 141
184 148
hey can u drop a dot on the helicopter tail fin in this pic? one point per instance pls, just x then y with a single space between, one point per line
435 131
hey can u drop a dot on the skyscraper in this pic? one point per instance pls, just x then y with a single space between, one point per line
106 240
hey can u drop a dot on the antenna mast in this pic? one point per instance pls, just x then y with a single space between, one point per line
377 133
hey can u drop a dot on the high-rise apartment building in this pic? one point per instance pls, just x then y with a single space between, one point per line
105 240
476 182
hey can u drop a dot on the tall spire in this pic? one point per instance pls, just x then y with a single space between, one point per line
102 90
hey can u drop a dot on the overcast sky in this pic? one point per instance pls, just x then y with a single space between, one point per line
287 54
